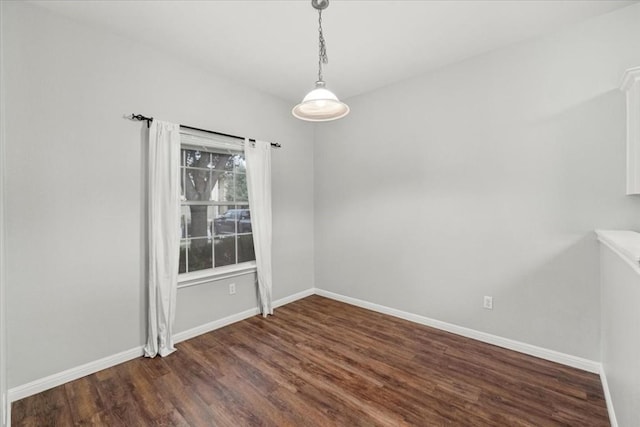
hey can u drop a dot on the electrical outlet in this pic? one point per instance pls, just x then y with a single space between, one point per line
232 289
488 303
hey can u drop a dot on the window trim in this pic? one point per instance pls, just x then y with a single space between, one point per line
192 139
202 140
209 275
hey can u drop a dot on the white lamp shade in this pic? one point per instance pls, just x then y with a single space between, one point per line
320 105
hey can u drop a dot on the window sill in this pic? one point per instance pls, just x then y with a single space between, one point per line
207 276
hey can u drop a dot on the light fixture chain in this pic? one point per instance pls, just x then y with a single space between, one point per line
322 59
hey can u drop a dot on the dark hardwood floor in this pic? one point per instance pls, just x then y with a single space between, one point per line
319 362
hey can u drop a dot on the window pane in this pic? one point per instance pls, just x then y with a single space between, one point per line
197 221
225 187
200 255
225 248
240 188
182 264
219 185
196 158
219 161
244 221
245 248
197 184
225 220
182 194
185 221
236 162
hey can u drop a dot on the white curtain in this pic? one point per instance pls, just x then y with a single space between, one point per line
164 235
258 157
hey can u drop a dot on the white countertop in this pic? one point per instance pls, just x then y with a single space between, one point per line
624 242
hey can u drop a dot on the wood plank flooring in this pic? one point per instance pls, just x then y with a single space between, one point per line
319 362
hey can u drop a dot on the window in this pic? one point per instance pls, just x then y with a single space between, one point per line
215 214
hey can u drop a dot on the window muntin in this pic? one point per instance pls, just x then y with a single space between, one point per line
215 214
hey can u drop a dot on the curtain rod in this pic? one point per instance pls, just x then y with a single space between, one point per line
142 118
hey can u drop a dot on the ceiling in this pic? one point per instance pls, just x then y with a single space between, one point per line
273 45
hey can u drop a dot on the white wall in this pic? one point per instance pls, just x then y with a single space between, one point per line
620 287
485 178
75 188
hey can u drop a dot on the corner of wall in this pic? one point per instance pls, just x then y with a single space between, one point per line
607 397
313 207
5 409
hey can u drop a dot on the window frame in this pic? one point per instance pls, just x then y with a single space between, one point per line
194 140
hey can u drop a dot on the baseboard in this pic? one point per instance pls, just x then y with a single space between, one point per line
532 350
294 297
212 326
607 397
55 380
220 323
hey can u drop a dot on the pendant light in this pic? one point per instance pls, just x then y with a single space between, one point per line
320 105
